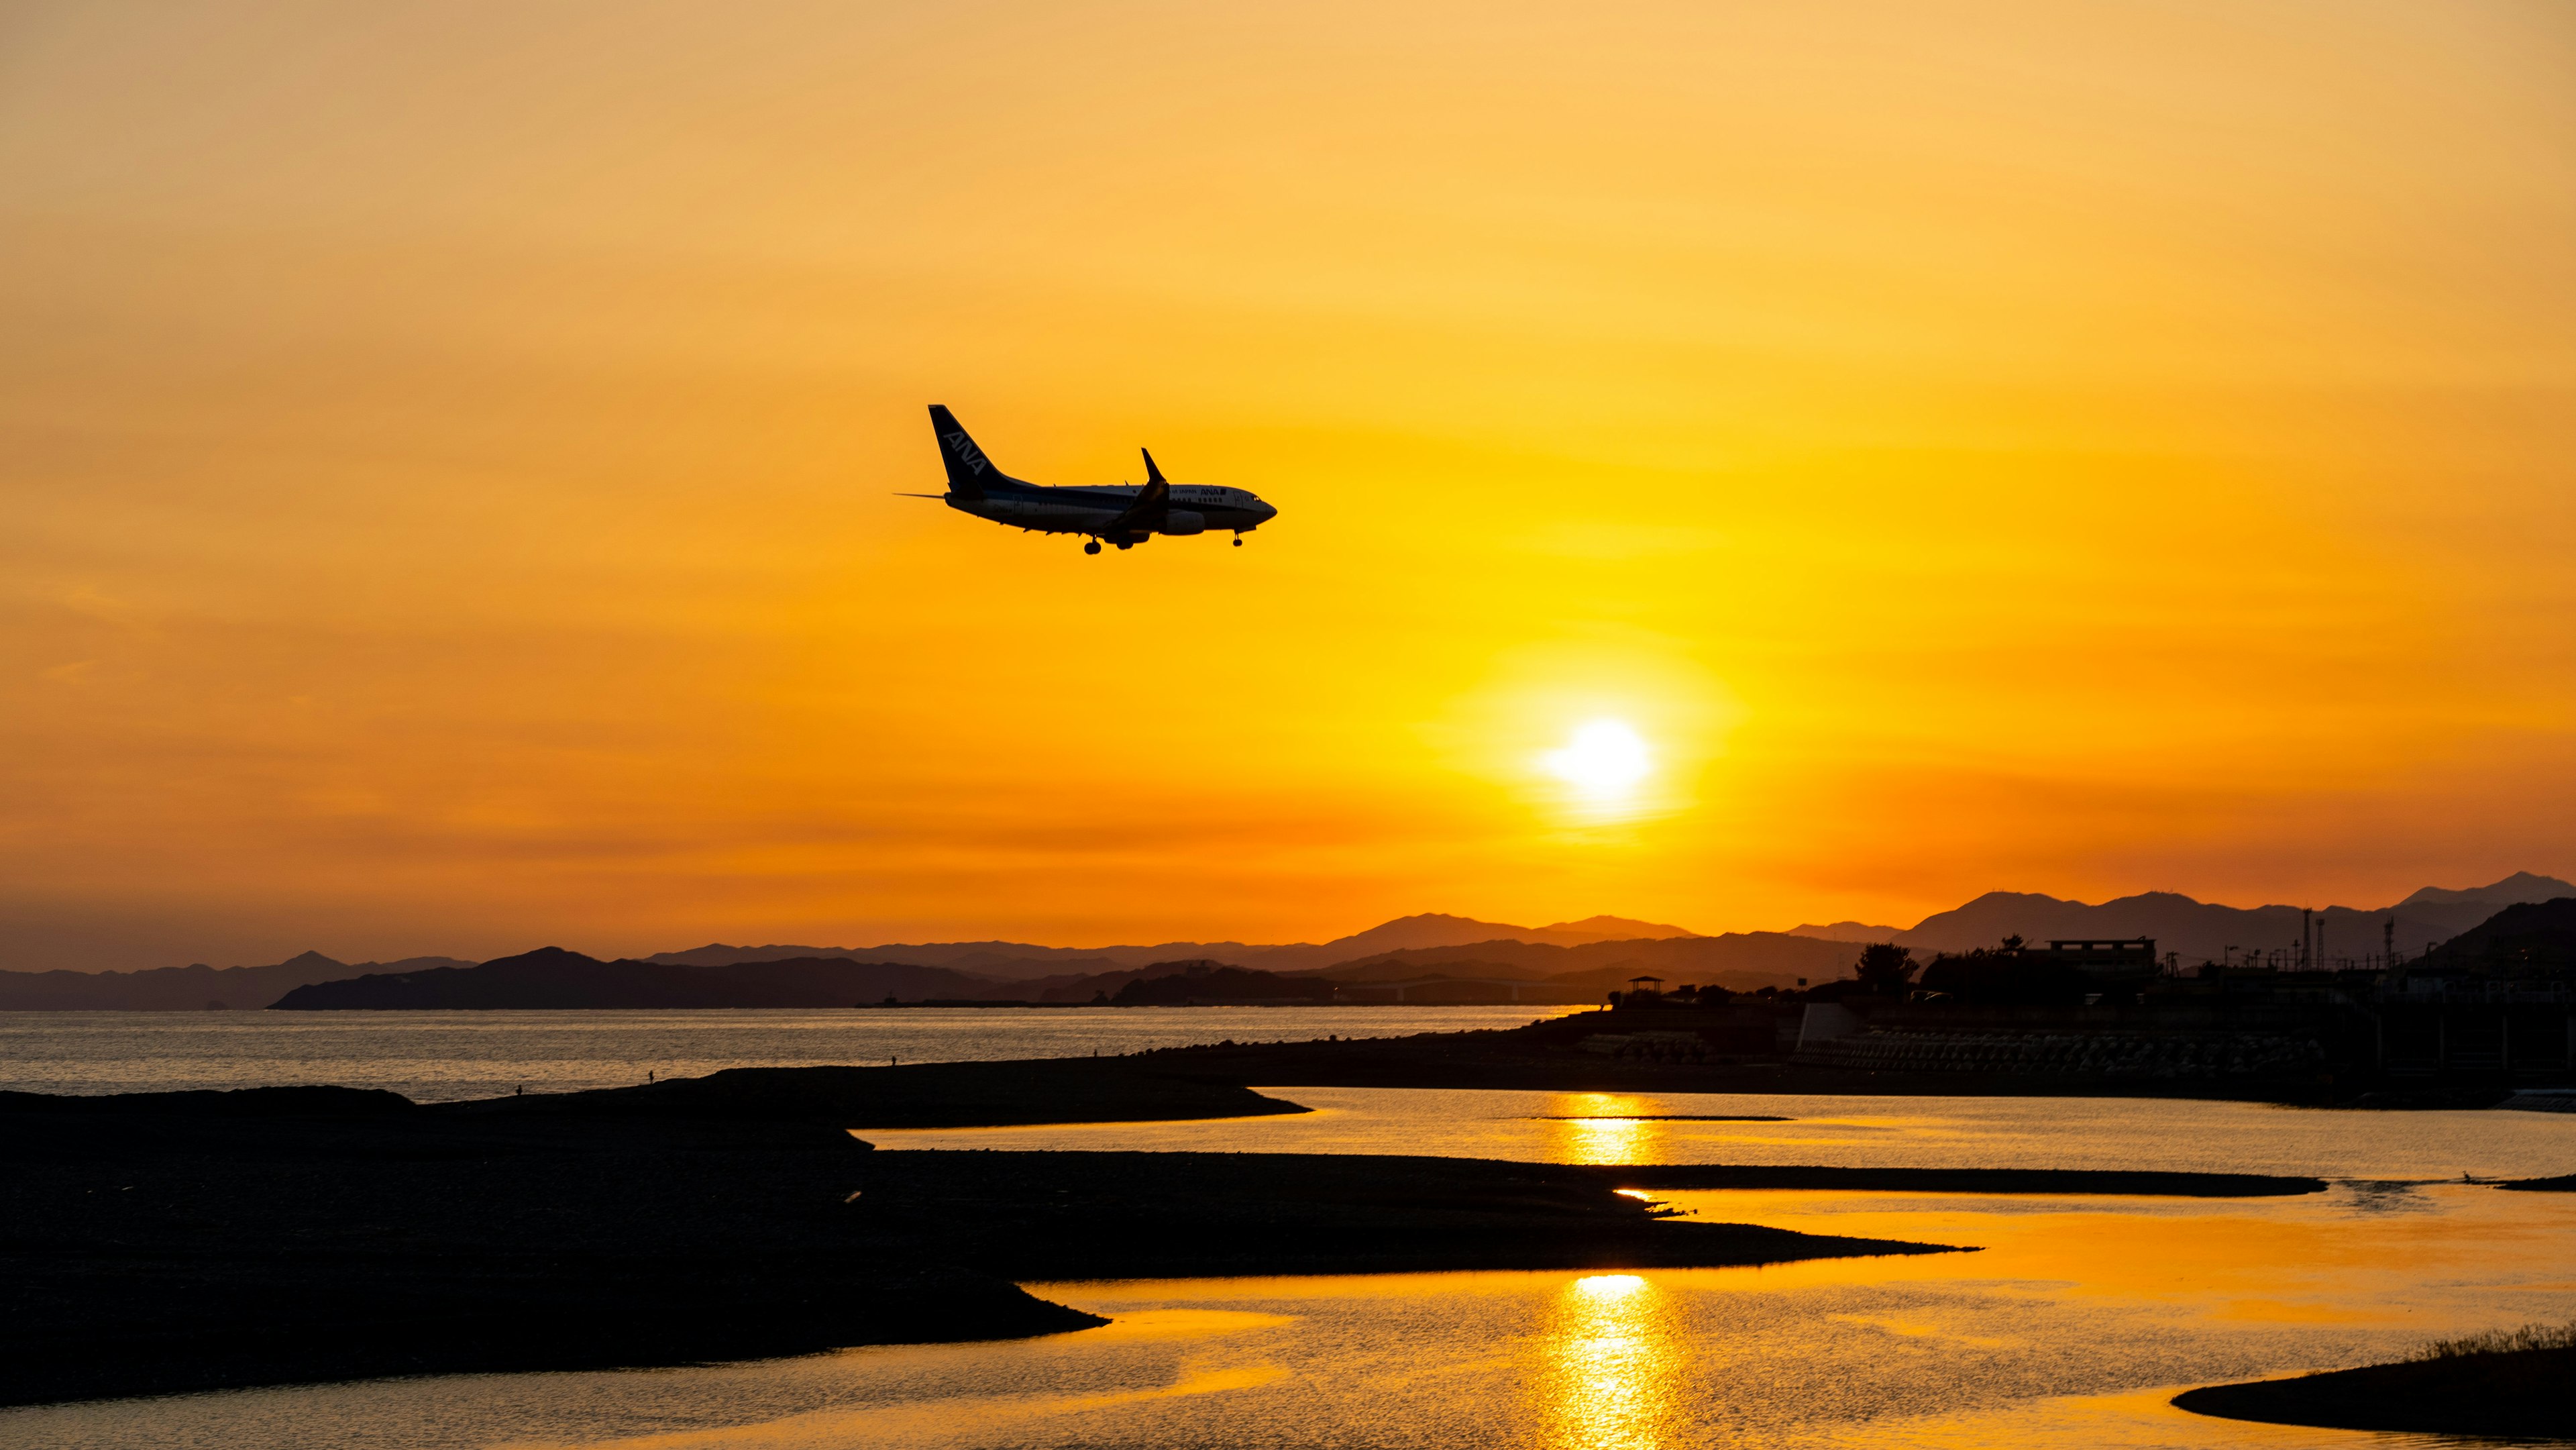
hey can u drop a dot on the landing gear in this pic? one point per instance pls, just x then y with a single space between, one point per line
1092 547
1238 541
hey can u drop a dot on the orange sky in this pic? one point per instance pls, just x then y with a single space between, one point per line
446 495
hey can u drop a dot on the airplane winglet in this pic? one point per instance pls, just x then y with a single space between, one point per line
1153 475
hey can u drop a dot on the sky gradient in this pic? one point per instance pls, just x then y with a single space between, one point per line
448 458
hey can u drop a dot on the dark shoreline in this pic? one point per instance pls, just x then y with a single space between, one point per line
2107 1182
2522 1394
1531 1060
921 1095
172 1242
169 1243
1697 1055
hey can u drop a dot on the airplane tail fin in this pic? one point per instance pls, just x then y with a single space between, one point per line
968 469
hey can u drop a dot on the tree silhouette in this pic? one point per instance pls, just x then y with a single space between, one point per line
1884 967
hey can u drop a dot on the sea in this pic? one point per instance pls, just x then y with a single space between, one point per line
2072 1322
445 1056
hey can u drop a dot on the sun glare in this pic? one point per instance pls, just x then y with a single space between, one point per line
1604 760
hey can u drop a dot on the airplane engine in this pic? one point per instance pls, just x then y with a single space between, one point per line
1178 522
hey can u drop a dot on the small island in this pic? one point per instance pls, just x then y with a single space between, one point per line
2513 1383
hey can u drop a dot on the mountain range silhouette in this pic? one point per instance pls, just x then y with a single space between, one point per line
2200 930
1420 945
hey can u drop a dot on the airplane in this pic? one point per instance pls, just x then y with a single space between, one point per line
1126 515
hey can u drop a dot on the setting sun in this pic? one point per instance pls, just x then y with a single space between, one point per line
1502 724
1604 761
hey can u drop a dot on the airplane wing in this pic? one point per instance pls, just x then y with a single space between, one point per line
1152 503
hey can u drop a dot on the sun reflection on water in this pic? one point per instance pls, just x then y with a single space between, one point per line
1612 1366
2074 1326
1602 1128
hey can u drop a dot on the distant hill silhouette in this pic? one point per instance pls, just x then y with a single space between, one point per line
998 959
2200 930
2514 890
183 989
2195 929
2528 934
1215 982
1426 943
1847 931
1019 961
1604 928
552 978
1737 960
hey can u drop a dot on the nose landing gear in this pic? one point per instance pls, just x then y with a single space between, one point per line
1091 547
1238 541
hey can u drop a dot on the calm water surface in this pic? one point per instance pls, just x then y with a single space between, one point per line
1859 1132
436 1056
2070 1329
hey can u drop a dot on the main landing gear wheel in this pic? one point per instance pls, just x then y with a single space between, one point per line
1092 547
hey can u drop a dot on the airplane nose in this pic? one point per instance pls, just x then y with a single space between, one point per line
1268 513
